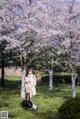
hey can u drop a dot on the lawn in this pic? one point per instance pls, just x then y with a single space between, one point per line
48 101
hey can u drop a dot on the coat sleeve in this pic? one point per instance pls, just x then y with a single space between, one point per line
26 80
34 80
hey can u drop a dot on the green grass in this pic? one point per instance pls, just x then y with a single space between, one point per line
12 77
48 101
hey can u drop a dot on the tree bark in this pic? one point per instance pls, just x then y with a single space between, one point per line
2 76
73 78
50 71
2 69
23 68
23 93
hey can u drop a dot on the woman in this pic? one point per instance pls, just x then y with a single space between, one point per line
30 83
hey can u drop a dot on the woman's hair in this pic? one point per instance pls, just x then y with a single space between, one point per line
28 70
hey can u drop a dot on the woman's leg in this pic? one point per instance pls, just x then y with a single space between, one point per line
28 96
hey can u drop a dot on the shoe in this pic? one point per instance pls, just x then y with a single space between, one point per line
34 107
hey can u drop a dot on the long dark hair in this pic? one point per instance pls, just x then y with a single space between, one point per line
28 70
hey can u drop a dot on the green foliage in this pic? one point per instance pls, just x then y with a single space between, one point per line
78 69
59 78
8 57
70 109
47 57
62 78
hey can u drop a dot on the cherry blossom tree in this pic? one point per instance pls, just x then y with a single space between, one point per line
7 43
61 21
6 47
14 34
19 17
70 41
48 23
45 18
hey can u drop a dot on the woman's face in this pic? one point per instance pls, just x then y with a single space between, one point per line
30 72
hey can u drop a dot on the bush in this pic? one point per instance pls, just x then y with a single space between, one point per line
58 78
70 109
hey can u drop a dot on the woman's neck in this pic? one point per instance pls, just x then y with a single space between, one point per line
30 74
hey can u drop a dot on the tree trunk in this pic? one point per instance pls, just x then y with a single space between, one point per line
23 94
2 76
73 78
2 68
50 71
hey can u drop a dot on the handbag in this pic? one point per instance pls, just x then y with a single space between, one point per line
27 104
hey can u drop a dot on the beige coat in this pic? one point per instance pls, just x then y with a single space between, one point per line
30 80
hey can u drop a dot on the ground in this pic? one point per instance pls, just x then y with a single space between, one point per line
48 101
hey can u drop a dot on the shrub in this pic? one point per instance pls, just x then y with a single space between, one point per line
58 78
70 109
